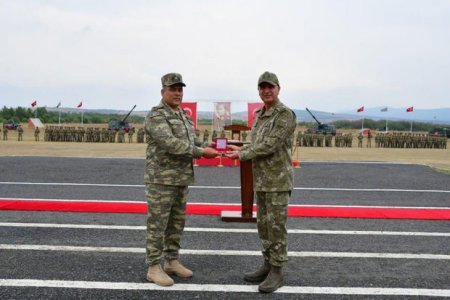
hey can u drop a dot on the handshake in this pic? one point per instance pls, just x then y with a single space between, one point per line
219 147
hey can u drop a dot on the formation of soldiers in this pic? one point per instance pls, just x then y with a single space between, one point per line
385 140
303 139
90 135
315 140
410 140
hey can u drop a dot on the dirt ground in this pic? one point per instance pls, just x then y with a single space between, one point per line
437 158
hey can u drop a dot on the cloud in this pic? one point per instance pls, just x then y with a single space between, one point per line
328 54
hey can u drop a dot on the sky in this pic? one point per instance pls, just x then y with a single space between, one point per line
329 55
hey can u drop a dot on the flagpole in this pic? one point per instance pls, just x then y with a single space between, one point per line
386 125
35 113
81 117
59 117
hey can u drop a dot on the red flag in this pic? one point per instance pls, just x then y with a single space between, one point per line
361 109
80 104
34 103
410 109
251 112
191 110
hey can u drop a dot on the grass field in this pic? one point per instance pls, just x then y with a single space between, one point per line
436 158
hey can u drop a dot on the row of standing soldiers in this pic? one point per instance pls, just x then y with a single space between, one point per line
385 140
216 134
92 135
410 140
323 140
103 135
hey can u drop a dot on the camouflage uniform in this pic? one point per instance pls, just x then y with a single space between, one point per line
20 133
172 145
5 133
36 134
272 138
244 136
206 136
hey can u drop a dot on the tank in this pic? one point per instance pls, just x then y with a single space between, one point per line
121 124
321 128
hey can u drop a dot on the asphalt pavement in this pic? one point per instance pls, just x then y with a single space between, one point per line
56 255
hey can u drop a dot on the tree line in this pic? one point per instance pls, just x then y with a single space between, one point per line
21 115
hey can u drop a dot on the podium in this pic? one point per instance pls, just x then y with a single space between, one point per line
247 214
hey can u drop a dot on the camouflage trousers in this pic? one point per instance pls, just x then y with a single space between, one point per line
165 221
271 218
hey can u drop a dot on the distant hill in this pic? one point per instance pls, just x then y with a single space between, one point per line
441 115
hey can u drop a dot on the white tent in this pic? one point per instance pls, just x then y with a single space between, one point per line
33 123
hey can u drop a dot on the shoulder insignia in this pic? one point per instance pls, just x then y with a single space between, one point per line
153 113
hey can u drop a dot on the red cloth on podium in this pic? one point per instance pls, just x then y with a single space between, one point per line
224 161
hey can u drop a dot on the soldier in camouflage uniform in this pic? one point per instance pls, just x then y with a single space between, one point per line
244 136
36 134
5 133
19 133
272 138
206 136
130 134
214 135
172 145
140 135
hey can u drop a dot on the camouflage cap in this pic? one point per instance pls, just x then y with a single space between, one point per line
171 79
268 77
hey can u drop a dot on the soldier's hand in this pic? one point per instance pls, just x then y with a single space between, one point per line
232 154
233 147
209 152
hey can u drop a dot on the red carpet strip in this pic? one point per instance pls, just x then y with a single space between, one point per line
216 209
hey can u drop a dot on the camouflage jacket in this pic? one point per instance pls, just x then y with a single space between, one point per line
172 145
272 138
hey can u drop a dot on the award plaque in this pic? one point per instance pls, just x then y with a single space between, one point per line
221 144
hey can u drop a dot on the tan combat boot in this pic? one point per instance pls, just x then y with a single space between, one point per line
175 267
273 281
158 276
259 275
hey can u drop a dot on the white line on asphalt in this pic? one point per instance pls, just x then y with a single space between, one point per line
236 204
226 288
71 184
227 252
222 187
225 230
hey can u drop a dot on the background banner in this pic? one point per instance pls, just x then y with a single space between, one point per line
191 110
251 108
222 115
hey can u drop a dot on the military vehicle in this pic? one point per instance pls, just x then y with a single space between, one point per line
11 125
321 128
441 131
123 124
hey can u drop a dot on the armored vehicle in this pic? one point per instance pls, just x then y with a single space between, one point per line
11 125
321 128
440 132
123 124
